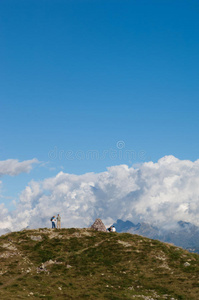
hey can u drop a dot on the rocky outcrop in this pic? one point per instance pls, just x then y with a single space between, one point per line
36 237
98 225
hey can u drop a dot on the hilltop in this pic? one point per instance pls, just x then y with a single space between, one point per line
86 264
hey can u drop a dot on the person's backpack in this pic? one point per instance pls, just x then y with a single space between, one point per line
51 219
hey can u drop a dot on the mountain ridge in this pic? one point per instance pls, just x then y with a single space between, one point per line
185 234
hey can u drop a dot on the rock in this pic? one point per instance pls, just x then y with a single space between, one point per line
186 264
42 268
49 262
36 237
7 254
125 244
9 246
98 225
68 267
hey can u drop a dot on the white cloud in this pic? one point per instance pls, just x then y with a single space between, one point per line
161 193
13 167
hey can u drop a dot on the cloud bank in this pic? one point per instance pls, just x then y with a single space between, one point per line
159 193
13 167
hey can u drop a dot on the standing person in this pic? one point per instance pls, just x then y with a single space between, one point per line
53 220
58 222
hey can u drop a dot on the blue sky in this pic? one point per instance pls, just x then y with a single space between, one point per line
78 76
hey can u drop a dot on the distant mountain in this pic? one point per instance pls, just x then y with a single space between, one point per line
185 235
4 231
123 226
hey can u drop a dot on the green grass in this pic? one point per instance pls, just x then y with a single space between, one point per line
102 267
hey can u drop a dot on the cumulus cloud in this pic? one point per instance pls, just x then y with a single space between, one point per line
161 193
13 167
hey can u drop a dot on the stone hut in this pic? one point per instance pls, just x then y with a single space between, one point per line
98 225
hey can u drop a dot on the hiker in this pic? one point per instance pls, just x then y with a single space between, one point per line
53 220
58 222
113 229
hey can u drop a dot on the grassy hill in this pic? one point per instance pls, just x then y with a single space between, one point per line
85 264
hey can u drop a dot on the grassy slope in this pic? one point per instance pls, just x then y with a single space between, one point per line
94 265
